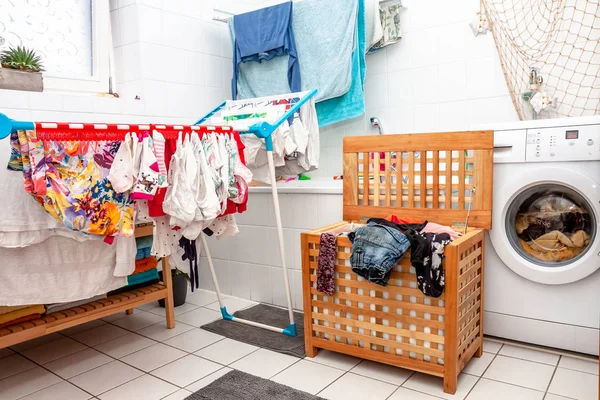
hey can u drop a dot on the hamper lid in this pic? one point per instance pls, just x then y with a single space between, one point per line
433 176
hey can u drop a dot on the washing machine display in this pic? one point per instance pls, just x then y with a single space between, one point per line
550 225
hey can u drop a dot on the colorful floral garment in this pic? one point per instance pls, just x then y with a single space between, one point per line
69 179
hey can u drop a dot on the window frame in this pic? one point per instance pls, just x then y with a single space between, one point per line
101 69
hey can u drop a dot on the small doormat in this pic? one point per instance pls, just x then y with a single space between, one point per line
268 315
237 385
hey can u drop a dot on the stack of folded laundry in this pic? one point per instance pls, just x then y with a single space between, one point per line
56 307
145 272
11 315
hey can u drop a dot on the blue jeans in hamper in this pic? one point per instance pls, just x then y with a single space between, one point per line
376 250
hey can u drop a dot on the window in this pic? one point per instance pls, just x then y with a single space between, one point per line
72 36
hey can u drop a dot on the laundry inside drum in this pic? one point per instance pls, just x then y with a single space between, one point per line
550 225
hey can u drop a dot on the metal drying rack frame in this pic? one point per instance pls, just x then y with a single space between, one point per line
262 130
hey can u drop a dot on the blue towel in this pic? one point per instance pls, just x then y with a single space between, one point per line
142 277
351 104
143 242
325 32
143 253
262 35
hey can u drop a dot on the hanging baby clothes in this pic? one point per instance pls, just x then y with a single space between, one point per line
135 167
70 180
295 143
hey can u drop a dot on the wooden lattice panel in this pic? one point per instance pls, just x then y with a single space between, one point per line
440 174
397 319
397 324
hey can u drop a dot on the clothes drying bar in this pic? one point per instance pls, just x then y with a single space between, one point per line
262 130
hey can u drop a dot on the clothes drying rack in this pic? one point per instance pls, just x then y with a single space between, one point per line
263 130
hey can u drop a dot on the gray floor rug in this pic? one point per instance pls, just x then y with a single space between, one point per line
237 385
268 315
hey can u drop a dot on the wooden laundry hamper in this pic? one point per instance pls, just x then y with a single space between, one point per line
398 324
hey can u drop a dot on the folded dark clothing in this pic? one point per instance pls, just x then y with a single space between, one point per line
133 287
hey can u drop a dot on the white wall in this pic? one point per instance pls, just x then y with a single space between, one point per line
249 265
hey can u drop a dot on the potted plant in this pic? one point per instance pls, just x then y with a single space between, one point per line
21 70
180 282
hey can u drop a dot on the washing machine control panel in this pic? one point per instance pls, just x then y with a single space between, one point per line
573 143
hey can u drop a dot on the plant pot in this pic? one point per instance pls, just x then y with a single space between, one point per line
18 80
180 284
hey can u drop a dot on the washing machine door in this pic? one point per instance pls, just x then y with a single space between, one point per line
545 224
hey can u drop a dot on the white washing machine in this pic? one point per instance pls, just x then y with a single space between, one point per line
542 277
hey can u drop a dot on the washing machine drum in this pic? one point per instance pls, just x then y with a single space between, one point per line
548 232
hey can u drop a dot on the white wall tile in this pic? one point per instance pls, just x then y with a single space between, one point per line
211 34
425 85
131 62
175 100
226 46
481 80
151 26
376 91
128 24
278 287
305 208
222 271
453 116
452 81
297 291
214 71
45 101
377 62
399 55
154 97
106 105
151 3
450 42
286 208
253 242
218 248
257 212
115 28
240 279
424 47
14 99
194 68
400 88
297 246
426 118
273 247
260 283
330 209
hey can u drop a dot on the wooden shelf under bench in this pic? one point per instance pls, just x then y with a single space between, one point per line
127 301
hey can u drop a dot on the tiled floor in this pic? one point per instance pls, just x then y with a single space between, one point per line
125 357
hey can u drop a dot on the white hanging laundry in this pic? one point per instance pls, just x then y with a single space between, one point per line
165 241
180 199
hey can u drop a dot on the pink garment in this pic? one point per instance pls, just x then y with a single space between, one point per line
432 227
